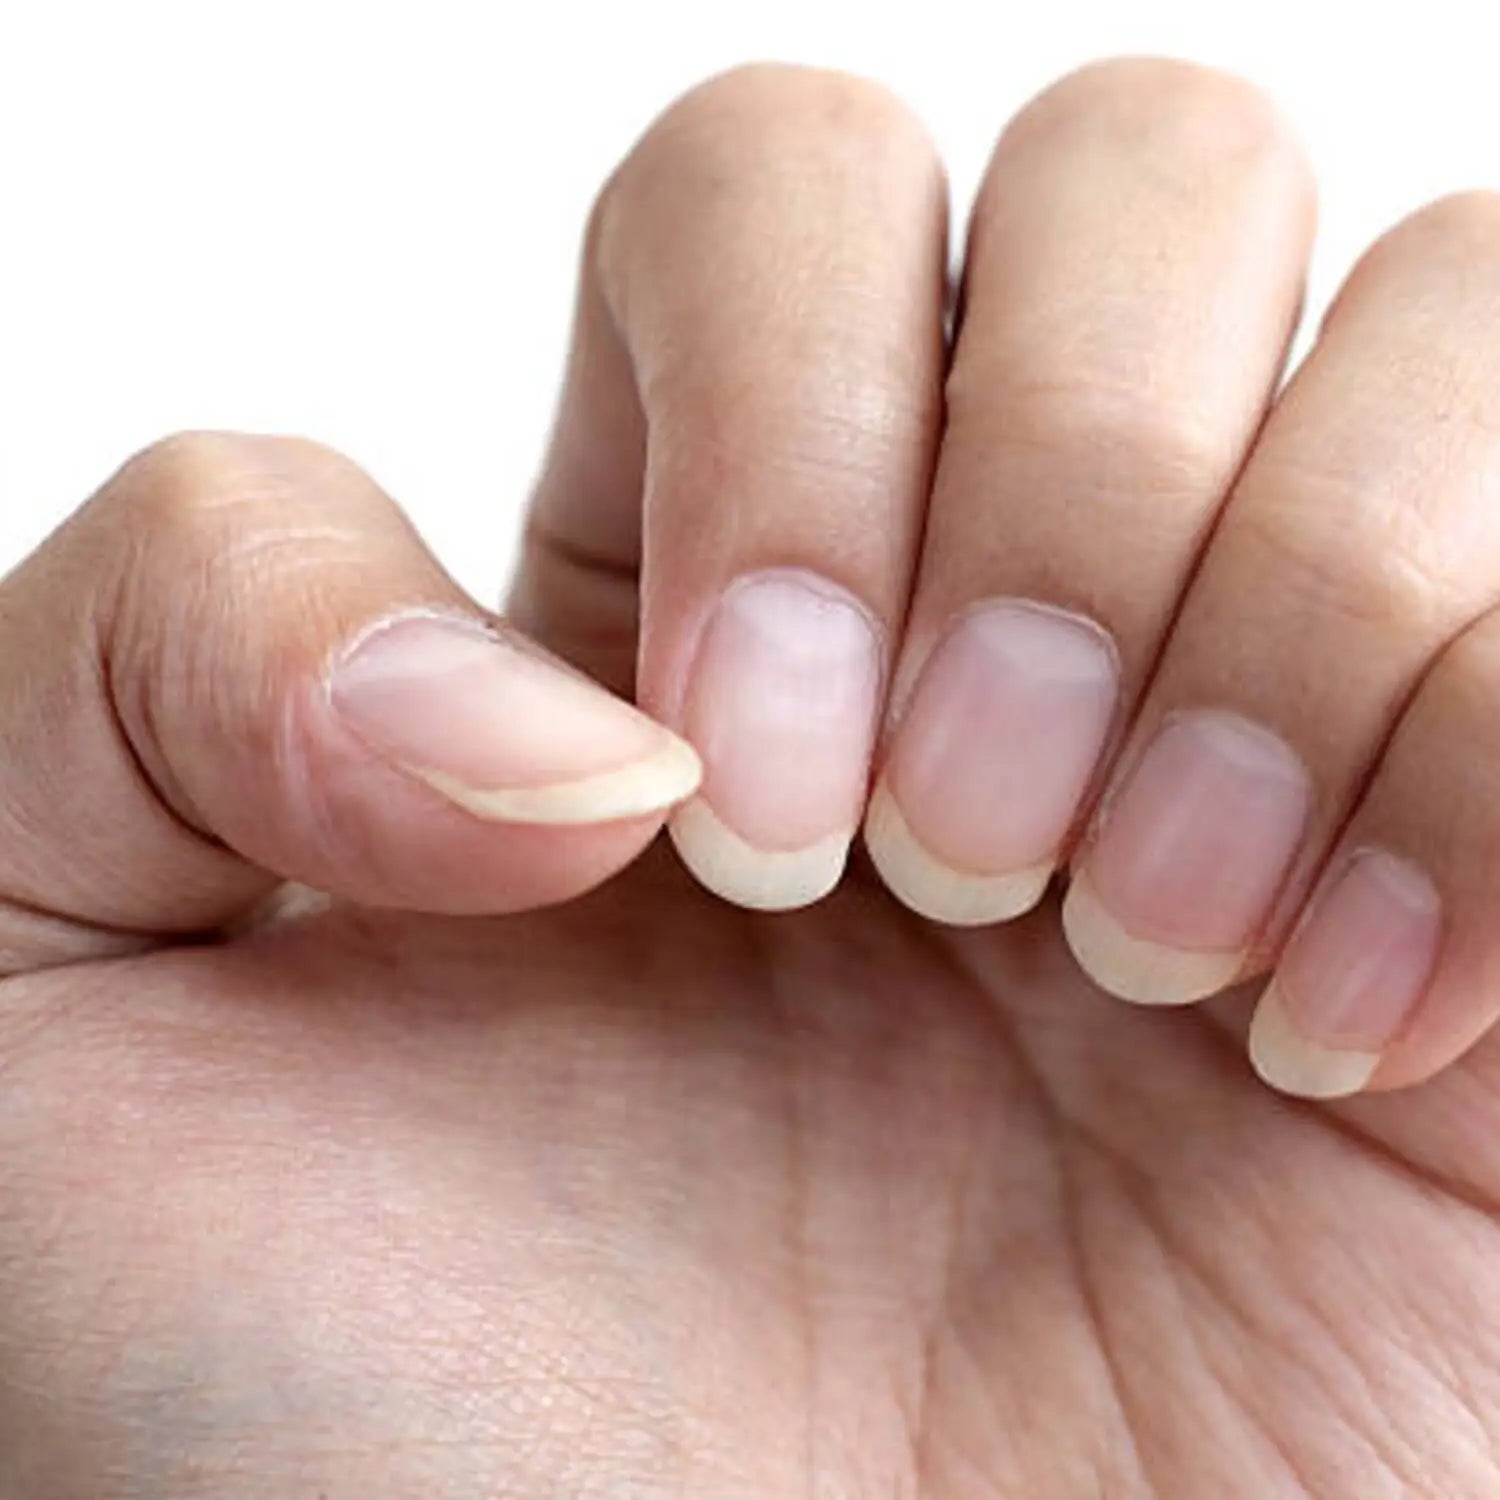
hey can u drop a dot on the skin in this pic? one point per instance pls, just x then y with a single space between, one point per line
478 1176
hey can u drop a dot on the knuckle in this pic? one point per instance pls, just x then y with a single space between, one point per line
759 120
172 487
1470 217
791 101
1461 228
1444 257
1166 450
810 445
1371 560
185 488
1160 106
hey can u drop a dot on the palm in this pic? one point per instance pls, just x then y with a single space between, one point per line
646 1197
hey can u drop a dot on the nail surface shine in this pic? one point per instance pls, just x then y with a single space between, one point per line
1351 978
501 731
780 704
1192 847
987 767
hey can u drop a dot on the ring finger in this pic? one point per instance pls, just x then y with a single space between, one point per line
1362 537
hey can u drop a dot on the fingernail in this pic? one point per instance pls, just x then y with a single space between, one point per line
1352 974
1190 855
501 731
781 705
986 770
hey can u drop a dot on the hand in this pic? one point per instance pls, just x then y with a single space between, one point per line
403 1192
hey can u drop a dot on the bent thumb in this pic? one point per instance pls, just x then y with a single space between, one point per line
239 665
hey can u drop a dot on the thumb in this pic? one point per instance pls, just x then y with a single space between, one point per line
238 665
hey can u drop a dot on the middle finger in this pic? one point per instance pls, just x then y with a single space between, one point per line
1134 273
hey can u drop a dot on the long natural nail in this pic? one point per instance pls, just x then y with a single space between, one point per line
986 770
501 731
781 705
1190 855
1350 978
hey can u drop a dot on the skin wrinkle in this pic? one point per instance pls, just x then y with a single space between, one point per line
140 751
1441 1187
796 1239
571 552
92 707
918 1423
955 953
1100 1321
1352 1138
1342 1120
386 1354
801 1041
933 1303
1221 1295
31 939
1125 1404
1461 1384
1076 1133
1138 1198
1457 1382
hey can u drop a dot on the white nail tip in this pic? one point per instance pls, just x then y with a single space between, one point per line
1133 969
649 785
763 879
936 890
1286 1060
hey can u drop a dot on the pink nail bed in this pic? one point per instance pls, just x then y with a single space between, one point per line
451 695
1002 734
781 706
1194 845
1361 959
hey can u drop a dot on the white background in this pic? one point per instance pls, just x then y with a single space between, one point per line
359 222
